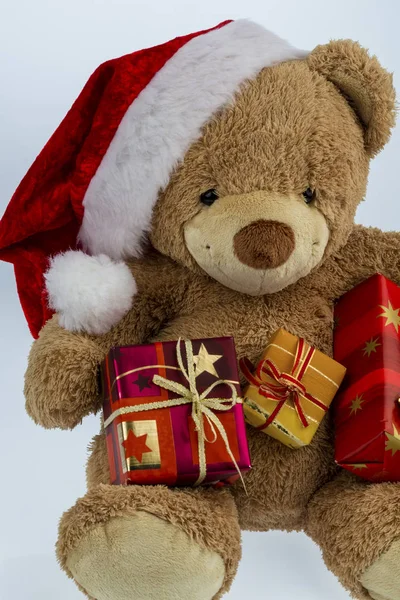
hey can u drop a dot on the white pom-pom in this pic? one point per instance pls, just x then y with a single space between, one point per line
89 293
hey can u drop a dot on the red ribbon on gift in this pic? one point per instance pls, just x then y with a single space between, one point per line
289 386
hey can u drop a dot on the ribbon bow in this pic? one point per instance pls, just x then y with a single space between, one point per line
289 385
202 407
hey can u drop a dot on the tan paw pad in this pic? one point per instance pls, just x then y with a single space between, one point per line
147 558
382 578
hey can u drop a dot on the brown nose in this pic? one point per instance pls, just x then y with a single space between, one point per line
264 244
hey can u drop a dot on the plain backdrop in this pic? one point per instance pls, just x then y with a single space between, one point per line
47 51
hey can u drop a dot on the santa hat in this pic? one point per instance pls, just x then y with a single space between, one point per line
95 183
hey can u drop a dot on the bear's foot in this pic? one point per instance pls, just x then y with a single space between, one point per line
382 578
151 542
357 525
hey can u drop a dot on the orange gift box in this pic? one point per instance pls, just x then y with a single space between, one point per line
291 389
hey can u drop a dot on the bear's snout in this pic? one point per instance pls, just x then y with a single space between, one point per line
264 244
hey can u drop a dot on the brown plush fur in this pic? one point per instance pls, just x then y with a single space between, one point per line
354 522
312 123
367 86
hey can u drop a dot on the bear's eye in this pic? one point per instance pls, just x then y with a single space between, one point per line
308 195
209 197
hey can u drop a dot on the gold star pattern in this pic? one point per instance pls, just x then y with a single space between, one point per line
356 404
391 315
371 346
359 466
205 361
392 441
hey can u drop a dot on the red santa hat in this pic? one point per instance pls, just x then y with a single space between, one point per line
86 202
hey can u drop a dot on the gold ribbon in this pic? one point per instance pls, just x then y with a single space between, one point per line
202 407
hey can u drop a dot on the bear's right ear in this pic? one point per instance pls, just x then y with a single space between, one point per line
367 86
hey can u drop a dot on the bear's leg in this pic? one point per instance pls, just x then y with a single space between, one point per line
357 525
151 543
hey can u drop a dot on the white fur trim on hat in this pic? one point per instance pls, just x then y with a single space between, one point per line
90 293
161 124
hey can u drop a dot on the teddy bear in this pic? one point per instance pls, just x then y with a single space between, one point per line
206 187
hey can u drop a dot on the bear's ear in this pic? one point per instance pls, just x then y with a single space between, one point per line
367 86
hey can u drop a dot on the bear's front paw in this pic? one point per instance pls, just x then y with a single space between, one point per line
382 578
61 380
89 293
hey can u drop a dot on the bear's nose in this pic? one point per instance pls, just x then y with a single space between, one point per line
264 244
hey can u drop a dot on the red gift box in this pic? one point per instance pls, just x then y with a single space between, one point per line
367 408
173 413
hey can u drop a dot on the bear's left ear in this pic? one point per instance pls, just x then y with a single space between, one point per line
364 82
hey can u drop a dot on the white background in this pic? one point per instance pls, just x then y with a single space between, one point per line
48 49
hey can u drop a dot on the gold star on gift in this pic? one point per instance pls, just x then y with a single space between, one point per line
358 466
205 361
356 404
392 441
391 315
371 346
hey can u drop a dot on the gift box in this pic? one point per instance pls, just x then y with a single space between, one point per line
367 411
291 389
173 413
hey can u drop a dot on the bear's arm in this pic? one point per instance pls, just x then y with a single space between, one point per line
61 381
368 250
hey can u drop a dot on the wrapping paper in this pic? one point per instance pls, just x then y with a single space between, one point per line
303 392
160 446
367 410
